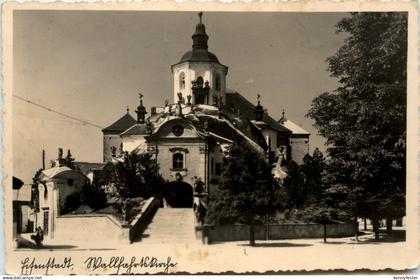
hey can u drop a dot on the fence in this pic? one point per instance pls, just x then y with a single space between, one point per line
220 233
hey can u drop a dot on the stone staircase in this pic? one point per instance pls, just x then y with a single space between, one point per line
171 226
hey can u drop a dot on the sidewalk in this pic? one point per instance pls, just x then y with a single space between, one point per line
366 238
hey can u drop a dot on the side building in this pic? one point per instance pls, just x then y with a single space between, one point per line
112 142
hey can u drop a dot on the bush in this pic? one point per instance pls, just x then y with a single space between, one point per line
94 196
73 202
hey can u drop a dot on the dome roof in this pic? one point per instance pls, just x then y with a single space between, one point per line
199 55
199 52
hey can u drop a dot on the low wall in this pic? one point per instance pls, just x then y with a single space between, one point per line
90 228
222 233
143 219
96 227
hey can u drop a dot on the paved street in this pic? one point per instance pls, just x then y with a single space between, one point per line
238 256
171 236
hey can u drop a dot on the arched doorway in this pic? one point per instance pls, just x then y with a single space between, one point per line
178 194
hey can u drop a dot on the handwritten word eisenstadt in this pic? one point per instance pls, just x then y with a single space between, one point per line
27 266
118 263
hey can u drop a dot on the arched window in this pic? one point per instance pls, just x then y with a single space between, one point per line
178 161
200 81
217 85
182 80
45 192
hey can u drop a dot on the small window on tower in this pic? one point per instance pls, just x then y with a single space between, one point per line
182 80
217 85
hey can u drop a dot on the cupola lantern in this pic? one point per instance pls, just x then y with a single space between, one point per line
259 110
199 72
141 111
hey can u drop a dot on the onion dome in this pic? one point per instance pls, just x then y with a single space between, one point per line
199 52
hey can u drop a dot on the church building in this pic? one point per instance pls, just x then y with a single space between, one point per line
189 136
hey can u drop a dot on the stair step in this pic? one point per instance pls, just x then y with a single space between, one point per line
172 226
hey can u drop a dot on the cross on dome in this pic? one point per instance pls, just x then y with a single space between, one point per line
283 118
200 14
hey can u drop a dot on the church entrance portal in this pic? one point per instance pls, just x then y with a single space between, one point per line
178 195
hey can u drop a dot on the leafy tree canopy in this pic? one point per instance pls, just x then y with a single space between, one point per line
304 183
364 120
247 189
136 176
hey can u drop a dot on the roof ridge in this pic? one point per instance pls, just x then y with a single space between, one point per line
121 124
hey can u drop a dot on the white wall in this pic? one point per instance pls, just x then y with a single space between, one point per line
54 202
130 142
93 229
299 148
273 136
192 71
110 140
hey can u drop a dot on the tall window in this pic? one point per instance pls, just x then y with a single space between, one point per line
178 161
217 85
182 80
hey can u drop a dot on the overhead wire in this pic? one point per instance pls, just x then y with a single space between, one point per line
83 121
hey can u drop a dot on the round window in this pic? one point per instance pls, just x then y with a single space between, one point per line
177 130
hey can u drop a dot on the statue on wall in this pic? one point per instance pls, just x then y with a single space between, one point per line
180 98
216 98
199 91
282 156
206 126
198 185
114 151
121 149
178 177
148 126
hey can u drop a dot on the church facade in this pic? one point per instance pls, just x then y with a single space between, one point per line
189 136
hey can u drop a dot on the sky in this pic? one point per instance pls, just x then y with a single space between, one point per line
92 65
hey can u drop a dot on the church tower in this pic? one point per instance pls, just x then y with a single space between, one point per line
199 73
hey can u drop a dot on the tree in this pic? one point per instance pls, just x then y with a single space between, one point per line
94 195
69 160
312 169
304 183
320 214
136 176
294 185
35 190
364 120
247 192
